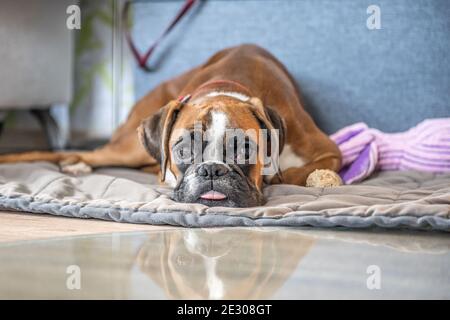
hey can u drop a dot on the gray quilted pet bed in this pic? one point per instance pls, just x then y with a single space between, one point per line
389 199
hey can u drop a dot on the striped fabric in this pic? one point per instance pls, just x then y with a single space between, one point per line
425 147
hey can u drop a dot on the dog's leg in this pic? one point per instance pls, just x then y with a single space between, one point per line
124 148
298 175
126 151
73 165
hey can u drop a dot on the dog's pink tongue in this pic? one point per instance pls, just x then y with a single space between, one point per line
213 195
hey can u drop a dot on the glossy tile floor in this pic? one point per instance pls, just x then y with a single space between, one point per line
247 263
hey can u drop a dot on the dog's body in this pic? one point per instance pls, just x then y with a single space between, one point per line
241 87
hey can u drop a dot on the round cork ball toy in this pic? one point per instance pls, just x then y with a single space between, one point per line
323 178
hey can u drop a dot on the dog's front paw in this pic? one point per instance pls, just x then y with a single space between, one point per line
323 178
76 169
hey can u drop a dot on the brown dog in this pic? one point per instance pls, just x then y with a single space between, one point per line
243 88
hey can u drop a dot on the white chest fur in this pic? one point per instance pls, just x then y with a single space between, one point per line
289 159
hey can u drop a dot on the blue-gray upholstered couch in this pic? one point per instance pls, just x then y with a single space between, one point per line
391 78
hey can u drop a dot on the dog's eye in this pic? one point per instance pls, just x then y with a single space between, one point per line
242 152
183 154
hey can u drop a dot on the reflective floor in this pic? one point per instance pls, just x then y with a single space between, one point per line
230 263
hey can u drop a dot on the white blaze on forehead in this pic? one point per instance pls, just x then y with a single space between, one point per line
216 133
232 94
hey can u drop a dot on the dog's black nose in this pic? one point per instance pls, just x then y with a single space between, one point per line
212 170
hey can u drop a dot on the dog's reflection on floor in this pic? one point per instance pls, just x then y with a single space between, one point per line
225 264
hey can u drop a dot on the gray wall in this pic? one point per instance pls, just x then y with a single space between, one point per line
391 78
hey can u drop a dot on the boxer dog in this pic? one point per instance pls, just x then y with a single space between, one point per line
242 87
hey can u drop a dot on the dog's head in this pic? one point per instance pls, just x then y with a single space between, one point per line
216 150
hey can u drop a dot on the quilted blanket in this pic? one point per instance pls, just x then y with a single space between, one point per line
409 199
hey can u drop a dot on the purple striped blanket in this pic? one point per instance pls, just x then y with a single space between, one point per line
425 147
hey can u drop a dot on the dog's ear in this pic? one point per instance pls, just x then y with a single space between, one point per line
270 119
154 133
278 124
